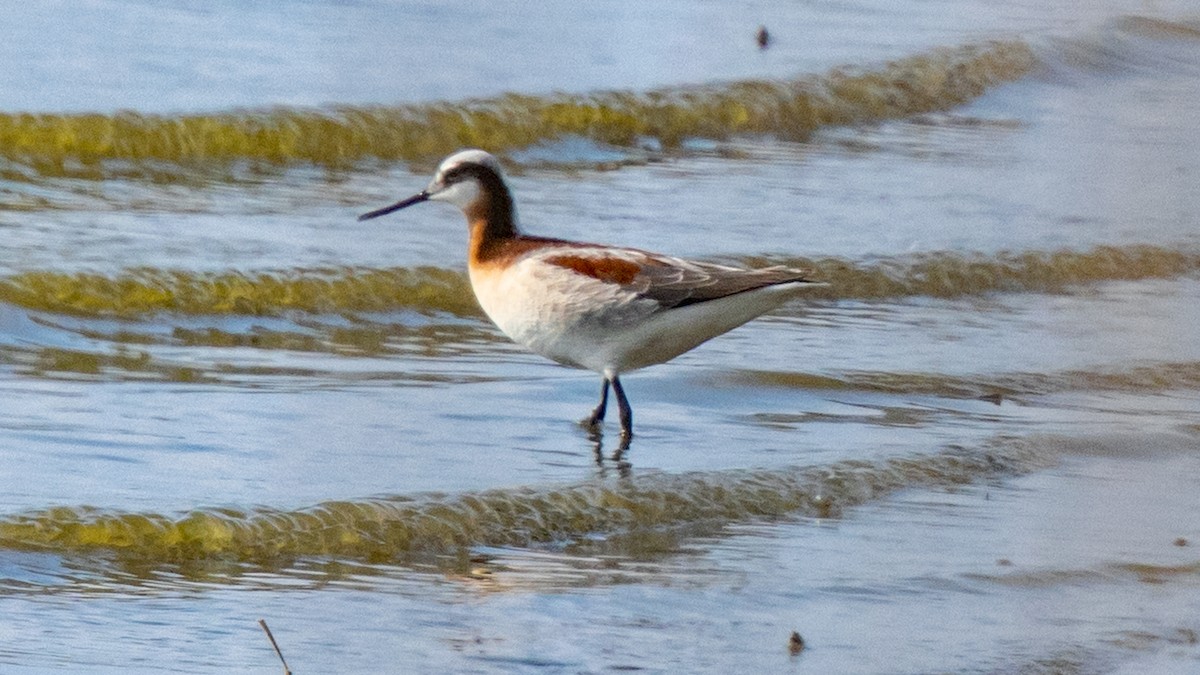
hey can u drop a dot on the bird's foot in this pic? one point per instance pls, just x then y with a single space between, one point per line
623 444
591 424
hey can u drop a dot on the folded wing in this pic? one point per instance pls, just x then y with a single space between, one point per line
672 282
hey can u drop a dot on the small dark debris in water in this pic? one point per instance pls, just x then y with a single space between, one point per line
763 38
795 644
1185 636
996 399
1181 542
1004 562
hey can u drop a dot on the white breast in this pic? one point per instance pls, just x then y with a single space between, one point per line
565 316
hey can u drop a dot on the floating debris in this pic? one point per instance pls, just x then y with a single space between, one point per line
795 644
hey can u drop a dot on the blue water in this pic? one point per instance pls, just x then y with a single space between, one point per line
1085 565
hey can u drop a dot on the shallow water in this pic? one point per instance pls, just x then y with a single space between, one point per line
227 400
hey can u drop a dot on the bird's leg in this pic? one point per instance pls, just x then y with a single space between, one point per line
598 413
624 409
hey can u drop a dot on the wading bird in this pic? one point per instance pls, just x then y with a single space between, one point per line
603 308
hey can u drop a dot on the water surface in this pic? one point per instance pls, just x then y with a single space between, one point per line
227 400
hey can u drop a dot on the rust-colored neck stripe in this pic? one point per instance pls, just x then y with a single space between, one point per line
492 217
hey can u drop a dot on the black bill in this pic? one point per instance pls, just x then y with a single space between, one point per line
403 203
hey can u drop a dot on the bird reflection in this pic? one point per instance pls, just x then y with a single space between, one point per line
617 460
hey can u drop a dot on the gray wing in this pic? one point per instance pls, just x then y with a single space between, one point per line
672 282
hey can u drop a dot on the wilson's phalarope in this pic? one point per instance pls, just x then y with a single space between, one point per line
611 310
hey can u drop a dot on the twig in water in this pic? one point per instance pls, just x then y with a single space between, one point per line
286 670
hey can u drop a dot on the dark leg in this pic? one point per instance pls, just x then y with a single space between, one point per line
624 409
598 413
